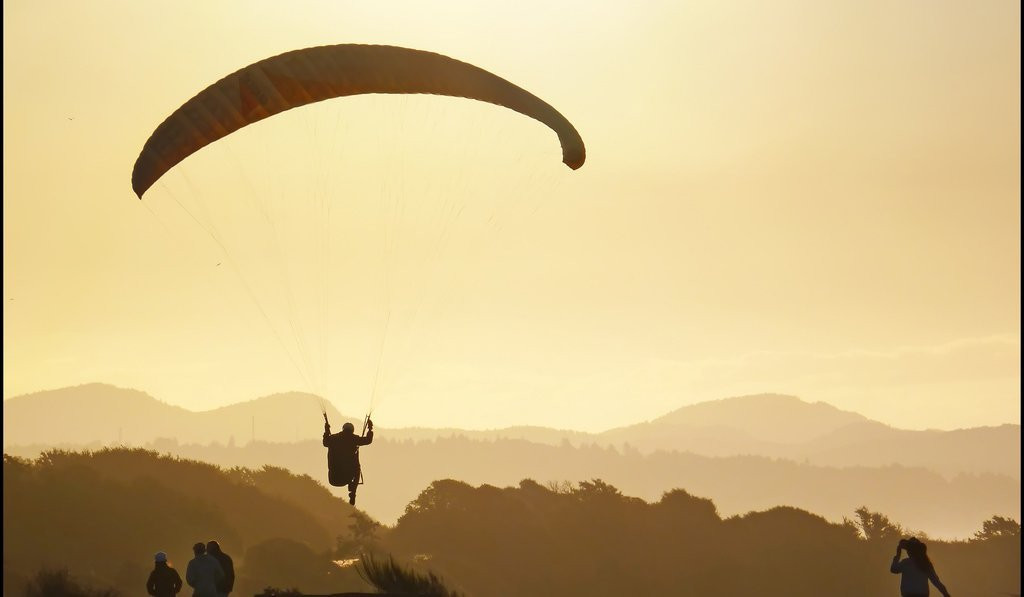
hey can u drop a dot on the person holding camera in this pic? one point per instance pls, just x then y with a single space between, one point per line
916 569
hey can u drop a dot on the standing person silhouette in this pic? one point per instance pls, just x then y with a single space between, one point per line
343 455
227 565
203 573
916 570
164 581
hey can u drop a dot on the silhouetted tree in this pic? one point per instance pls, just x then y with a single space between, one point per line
874 526
363 536
998 527
595 488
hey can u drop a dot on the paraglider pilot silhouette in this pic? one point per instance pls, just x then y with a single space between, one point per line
343 455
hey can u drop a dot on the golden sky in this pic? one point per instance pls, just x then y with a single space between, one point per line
817 198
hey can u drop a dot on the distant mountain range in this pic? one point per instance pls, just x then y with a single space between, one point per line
107 414
786 427
746 453
767 425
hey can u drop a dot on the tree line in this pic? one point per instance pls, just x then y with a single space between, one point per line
101 515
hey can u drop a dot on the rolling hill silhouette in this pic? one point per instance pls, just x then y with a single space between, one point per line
779 426
768 417
727 450
768 425
102 413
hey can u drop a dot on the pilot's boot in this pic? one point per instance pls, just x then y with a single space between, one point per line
352 498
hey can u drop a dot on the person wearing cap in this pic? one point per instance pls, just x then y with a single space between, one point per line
343 455
164 581
917 570
204 572
228 584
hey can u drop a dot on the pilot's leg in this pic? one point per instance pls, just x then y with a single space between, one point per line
352 485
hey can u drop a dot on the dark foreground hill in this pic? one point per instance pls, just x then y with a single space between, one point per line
589 539
102 515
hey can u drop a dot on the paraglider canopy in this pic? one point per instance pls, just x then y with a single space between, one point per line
301 77
275 230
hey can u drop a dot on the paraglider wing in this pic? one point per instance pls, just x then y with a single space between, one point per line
310 75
